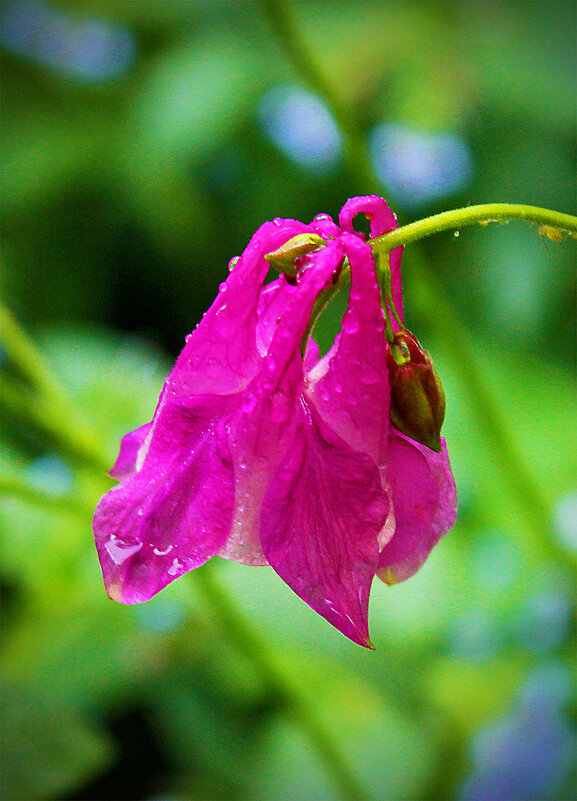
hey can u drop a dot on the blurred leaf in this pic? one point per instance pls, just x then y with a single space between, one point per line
49 747
386 747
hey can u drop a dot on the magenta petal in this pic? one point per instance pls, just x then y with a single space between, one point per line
262 430
350 385
324 226
221 355
125 464
319 523
424 504
376 210
382 221
272 303
175 513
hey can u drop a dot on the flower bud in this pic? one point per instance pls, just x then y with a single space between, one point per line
417 396
283 258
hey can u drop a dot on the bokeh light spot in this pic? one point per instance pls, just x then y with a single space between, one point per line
418 167
300 124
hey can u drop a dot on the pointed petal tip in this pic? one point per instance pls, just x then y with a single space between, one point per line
114 592
387 575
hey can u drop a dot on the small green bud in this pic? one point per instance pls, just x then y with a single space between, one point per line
417 396
283 258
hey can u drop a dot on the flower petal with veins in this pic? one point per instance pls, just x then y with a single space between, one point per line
258 455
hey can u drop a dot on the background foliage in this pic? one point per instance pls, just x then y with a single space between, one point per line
144 141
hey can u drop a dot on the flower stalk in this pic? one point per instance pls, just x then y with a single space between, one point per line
516 472
50 410
276 681
471 215
42 402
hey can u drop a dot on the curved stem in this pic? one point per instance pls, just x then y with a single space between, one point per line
482 214
281 19
515 470
278 683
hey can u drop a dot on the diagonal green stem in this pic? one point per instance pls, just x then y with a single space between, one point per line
515 470
12 487
48 408
43 403
282 21
278 683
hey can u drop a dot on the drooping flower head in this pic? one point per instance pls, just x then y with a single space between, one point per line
260 455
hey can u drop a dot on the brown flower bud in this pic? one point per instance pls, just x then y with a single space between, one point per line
417 396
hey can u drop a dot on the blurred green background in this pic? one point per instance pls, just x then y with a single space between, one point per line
144 141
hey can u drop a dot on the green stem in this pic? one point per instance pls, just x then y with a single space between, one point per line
471 215
516 472
47 407
43 403
281 19
12 487
514 468
277 682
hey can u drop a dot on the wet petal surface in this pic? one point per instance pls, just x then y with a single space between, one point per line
319 523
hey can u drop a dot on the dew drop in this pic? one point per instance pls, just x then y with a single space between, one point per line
175 567
232 263
223 287
338 388
350 325
120 550
249 403
456 233
162 551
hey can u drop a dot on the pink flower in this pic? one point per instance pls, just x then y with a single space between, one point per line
259 456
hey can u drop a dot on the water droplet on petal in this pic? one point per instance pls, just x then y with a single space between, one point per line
223 287
163 551
338 388
249 403
175 567
350 325
120 550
